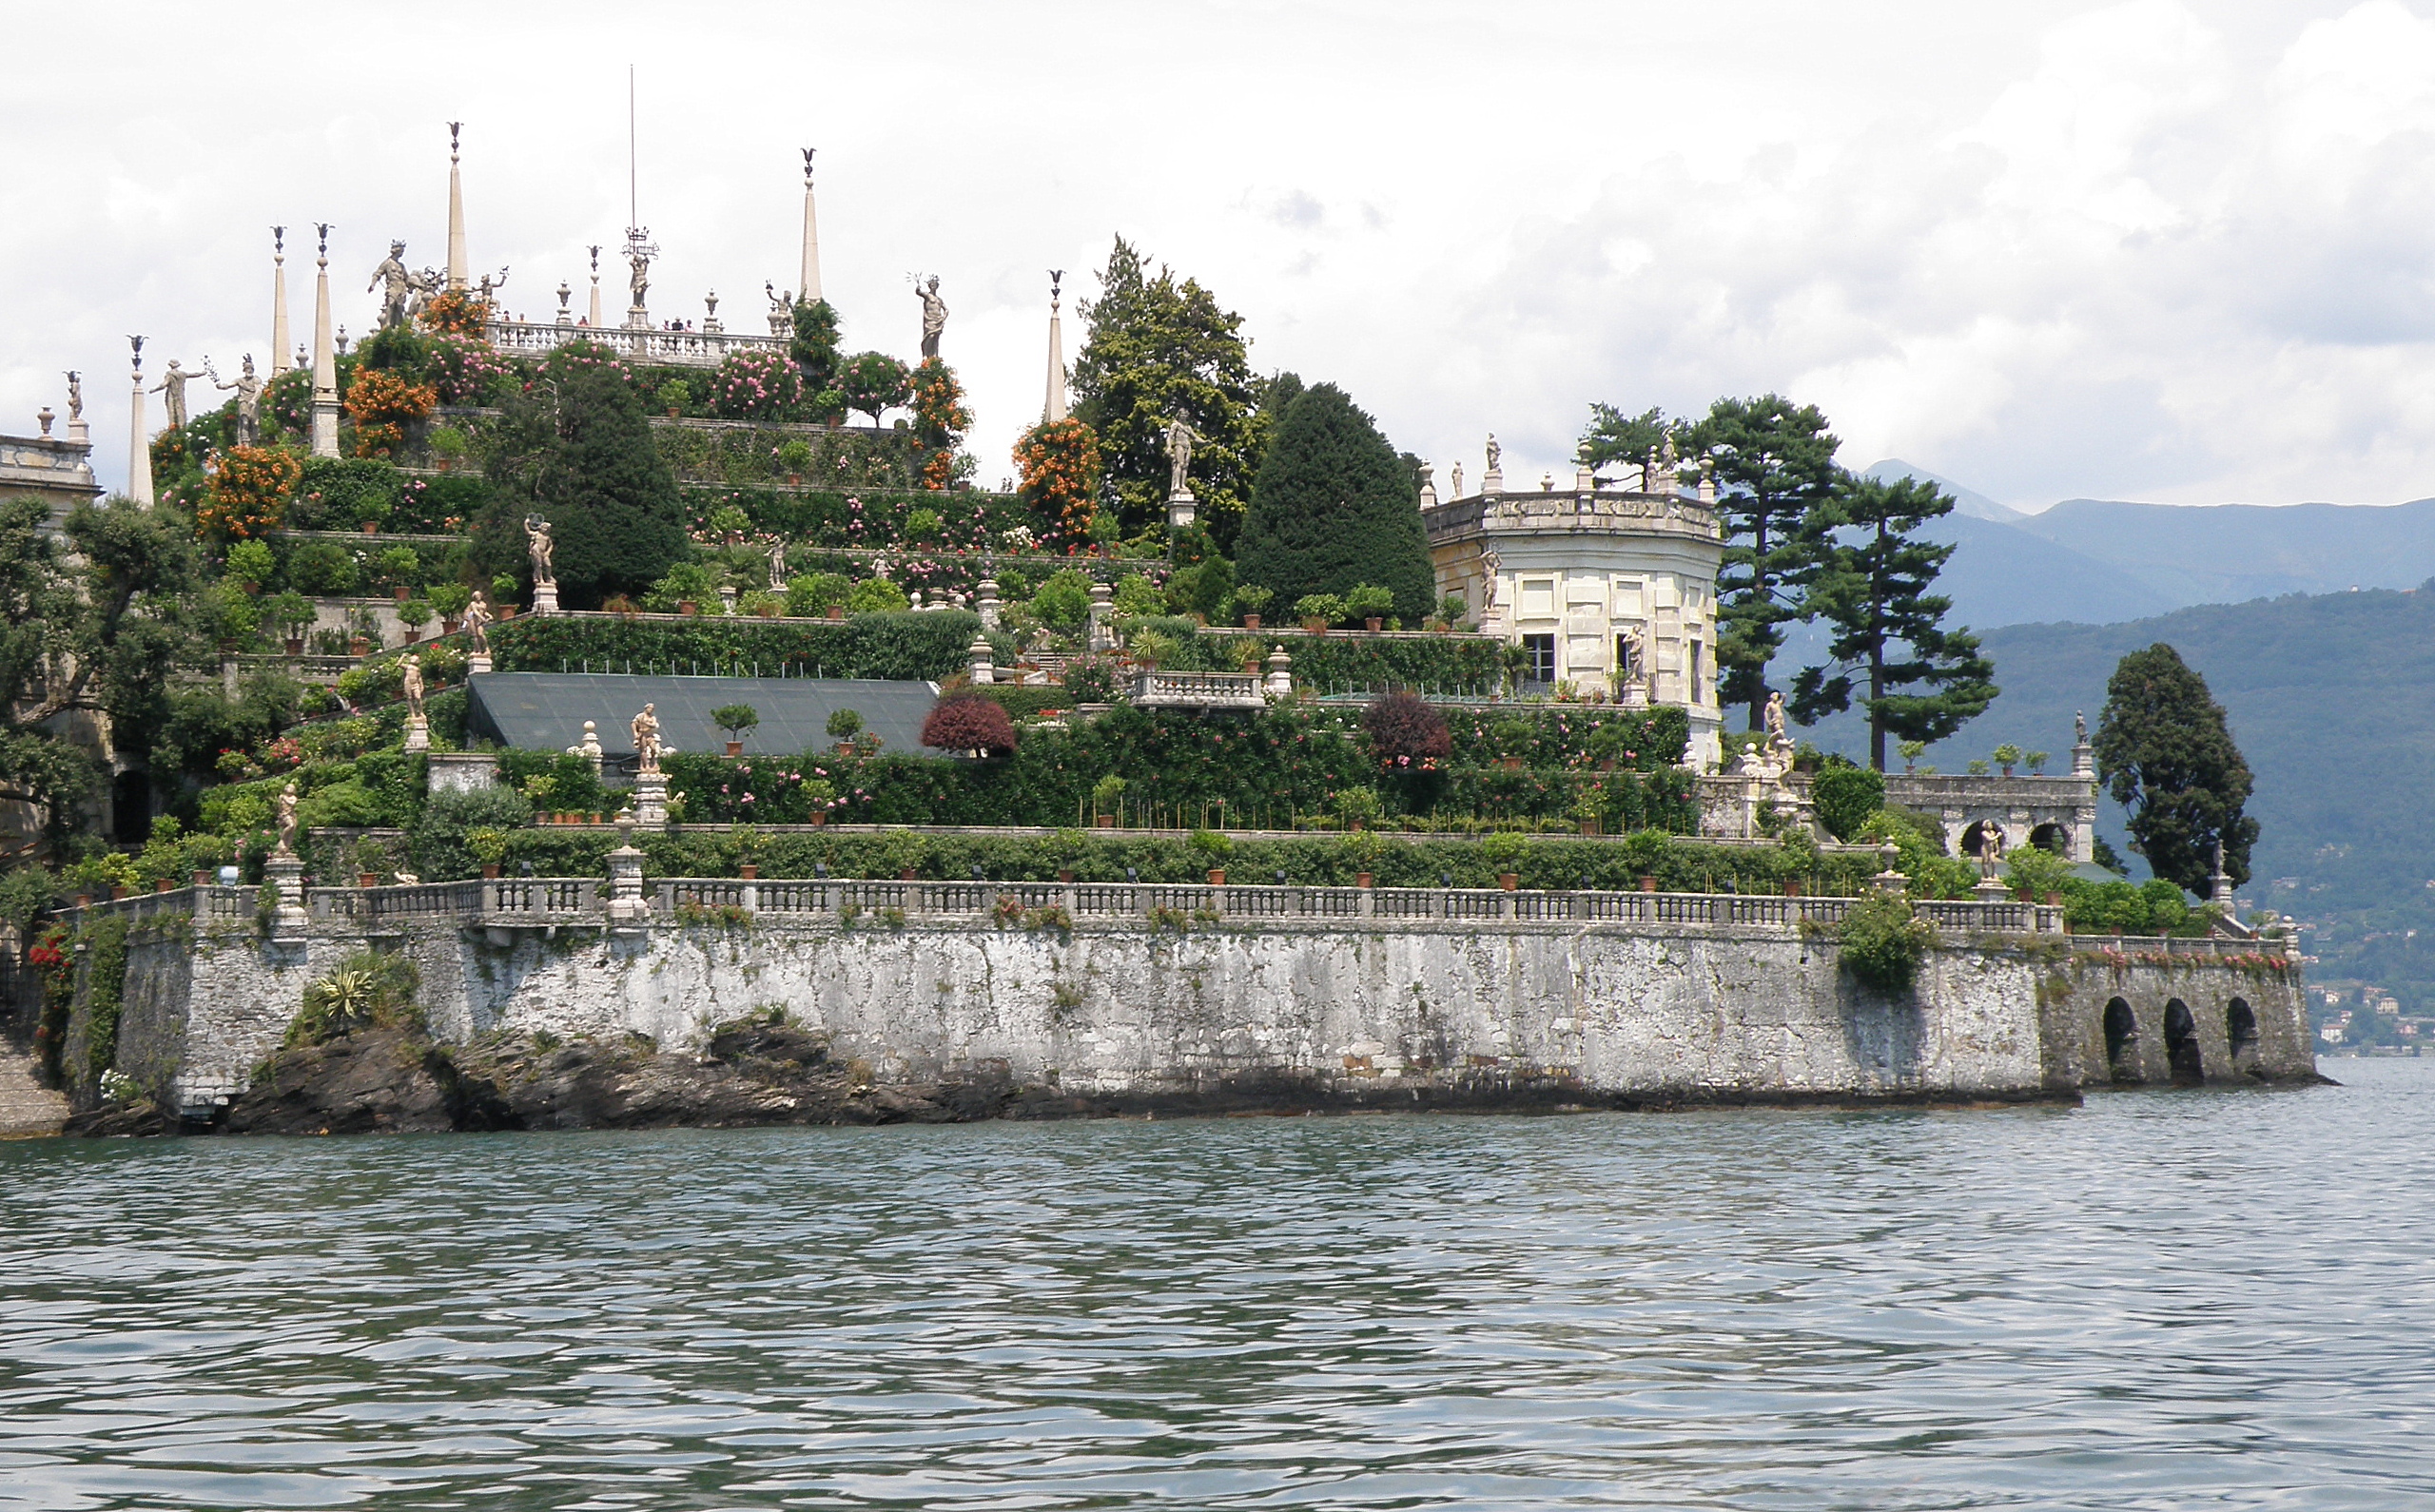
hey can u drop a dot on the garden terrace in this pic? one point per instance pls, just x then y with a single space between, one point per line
892 648
692 349
546 712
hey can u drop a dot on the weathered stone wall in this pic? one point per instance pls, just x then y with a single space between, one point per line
1123 1010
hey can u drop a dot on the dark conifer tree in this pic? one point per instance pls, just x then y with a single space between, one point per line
1918 680
2166 754
1333 508
1775 475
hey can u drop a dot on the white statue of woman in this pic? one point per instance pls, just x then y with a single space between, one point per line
934 314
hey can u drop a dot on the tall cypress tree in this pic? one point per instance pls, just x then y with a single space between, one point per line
2166 754
1774 474
1335 508
1156 348
1923 680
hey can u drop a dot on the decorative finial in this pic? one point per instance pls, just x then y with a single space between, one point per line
806 166
596 262
137 342
1055 283
278 242
451 140
323 228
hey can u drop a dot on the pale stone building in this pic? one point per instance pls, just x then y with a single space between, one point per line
1611 592
57 471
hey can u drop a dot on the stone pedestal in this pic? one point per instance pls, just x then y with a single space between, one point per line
1992 890
285 874
650 798
628 909
589 747
461 771
417 732
325 428
984 671
1280 676
1103 620
987 603
477 663
545 599
1181 509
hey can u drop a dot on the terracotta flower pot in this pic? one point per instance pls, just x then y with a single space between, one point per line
507 611
1107 821
749 871
2053 899
401 592
820 819
1589 826
1217 875
1792 889
735 747
449 626
686 606
1649 884
836 612
1251 622
1509 881
367 879
907 875
490 870
201 878
117 892
1363 879
371 527
1065 874
296 646
1316 627
159 884
84 900
1375 623
359 647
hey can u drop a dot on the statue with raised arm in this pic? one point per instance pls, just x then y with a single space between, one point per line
1178 448
489 288
172 388
1779 728
75 396
638 279
395 284
538 541
934 314
478 615
287 830
249 403
413 665
646 729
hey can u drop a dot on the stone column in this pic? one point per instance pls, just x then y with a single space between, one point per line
627 908
1280 676
1101 633
139 452
325 364
285 874
650 798
808 280
987 602
279 337
983 672
455 215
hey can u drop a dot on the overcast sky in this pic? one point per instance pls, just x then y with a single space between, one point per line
2145 250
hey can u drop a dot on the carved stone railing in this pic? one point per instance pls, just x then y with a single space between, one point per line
1157 689
674 348
1638 514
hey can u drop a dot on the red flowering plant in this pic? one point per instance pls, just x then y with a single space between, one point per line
756 385
248 491
1059 465
382 404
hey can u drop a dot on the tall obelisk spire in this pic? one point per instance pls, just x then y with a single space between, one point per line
808 282
1055 409
278 347
595 321
139 455
456 214
325 362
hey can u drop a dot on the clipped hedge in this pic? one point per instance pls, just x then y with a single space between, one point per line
896 646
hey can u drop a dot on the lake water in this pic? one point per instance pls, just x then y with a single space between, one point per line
2157 1300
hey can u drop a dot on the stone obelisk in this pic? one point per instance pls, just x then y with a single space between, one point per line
595 322
456 214
1055 407
280 345
139 454
810 278
325 362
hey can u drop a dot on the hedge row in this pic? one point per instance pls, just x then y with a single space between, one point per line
895 647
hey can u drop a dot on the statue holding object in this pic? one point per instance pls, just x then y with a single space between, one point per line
395 284
934 314
538 541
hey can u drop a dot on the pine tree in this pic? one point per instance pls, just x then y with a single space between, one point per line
1333 508
1613 439
2166 755
1774 474
1156 349
1888 632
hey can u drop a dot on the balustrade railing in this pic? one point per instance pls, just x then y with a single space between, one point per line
678 348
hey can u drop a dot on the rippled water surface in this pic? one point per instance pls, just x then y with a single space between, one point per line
2156 1300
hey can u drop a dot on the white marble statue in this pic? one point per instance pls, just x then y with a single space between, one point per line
477 617
414 686
172 388
934 314
538 541
646 729
1181 437
395 283
249 403
287 830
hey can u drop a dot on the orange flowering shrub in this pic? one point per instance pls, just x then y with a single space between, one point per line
382 404
454 312
248 491
1059 466
940 419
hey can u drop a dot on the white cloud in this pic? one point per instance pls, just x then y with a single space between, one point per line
2144 249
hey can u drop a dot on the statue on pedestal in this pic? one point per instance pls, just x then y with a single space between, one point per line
489 288
1455 483
413 685
638 280
778 567
478 616
646 729
249 402
934 314
287 830
1779 728
1180 436
172 388
1491 563
538 541
75 398
395 283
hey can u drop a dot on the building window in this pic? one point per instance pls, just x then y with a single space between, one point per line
1696 671
1541 652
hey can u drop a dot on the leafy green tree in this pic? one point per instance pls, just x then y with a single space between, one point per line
2166 754
813 347
576 448
873 383
1921 681
1335 508
1614 438
1775 475
1156 349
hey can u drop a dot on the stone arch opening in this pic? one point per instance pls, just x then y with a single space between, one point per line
2052 839
2181 1045
2122 1042
2240 1028
131 807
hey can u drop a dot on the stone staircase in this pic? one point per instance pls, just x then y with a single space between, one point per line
27 1109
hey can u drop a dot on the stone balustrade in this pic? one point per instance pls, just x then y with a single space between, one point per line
1153 689
1639 513
673 348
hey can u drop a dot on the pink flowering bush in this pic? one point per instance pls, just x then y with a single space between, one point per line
756 385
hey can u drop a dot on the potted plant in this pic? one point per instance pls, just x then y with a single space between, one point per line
736 719
1504 850
291 611
448 446
1318 612
818 794
1368 603
489 846
1107 801
844 725
450 600
794 456
414 614
1212 848
2035 761
1912 750
1451 610
368 857
1357 806
2008 757
673 396
1250 599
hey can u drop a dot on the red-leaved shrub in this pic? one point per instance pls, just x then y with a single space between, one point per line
1406 732
971 722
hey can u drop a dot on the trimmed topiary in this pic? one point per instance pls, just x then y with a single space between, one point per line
970 722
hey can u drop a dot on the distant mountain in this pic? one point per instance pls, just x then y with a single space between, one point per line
2002 574
2331 698
1966 501
2224 553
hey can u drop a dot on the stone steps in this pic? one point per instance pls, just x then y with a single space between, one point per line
27 1109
